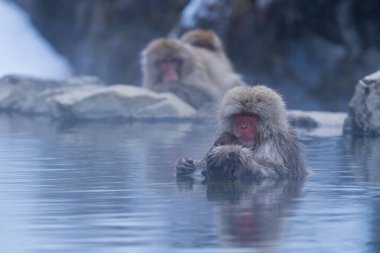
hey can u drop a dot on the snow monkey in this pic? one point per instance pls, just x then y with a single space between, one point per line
203 39
193 74
255 139
208 40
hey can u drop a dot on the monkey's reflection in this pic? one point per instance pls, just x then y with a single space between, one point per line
251 213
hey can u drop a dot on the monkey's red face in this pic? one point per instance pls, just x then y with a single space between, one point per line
244 126
169 68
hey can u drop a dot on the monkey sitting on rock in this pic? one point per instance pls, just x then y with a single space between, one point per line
255 139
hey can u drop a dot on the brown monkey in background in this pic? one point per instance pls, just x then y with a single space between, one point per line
193 74
208 40
255 142
210 45
168 65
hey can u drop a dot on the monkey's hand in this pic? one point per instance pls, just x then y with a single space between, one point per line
185 166
229 162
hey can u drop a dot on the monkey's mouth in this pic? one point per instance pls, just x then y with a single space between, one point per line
247 138
245 126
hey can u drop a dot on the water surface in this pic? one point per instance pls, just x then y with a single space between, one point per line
107 188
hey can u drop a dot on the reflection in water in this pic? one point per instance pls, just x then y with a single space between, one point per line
252 213
366 151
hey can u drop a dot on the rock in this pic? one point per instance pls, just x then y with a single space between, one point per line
318 123
120 102
301 120
316 119
364 108
87 98
32 96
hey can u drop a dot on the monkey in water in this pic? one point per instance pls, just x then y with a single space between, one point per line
255 139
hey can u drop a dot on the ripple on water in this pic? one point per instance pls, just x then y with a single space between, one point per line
90 189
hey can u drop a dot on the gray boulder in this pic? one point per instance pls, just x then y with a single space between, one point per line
32 96
364 108
120 102
87 98
302 119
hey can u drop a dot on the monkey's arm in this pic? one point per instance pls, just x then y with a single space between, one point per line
281 161
186 166
233 162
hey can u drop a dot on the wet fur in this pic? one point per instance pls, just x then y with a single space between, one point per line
276 153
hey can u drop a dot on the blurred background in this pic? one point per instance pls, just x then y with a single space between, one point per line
312 51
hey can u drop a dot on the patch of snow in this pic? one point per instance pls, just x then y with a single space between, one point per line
23 50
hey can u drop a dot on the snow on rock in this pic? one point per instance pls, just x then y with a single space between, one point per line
33 96
23 50
87 98
319 118
318 123
120 102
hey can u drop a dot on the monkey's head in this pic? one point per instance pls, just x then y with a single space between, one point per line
166 60
252 113
203 39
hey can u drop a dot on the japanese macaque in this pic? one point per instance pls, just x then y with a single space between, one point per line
208 41
194 75
255 139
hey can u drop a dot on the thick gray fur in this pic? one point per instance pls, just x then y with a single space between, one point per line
276 153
